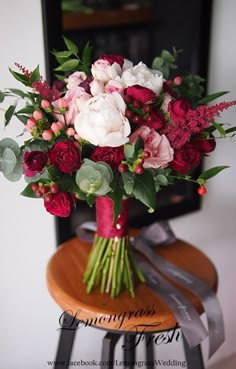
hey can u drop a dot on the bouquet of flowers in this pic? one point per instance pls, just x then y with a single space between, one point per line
105 132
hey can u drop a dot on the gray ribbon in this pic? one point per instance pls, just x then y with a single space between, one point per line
192 327
144 244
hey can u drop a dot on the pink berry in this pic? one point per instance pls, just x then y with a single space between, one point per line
62 105
178 80
37 115
47 134
44 189
31 123
146 154
70 131
45 104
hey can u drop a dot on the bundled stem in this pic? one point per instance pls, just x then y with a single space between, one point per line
111 262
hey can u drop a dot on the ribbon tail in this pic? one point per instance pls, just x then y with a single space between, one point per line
205 294
185 313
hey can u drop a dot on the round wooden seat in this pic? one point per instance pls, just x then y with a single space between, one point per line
64 278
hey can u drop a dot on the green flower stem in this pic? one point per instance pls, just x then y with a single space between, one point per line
116 266
96 266
121 268
92 257
130 281
137 270
109 280
105 271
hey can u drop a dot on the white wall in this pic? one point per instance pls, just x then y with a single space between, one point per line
29 317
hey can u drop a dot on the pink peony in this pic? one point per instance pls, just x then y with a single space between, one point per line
161 153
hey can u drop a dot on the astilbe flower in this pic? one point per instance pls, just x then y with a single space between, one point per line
181 129
25 71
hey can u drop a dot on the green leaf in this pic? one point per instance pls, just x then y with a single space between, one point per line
139 145
2 96
229 130
62 54
86 58
35 75
144 189
28 192
128 151
27 110
18 92
68 66
20 77
212 172
206 99
53 172
116 197
71 46
22 118
219 128
8 161
161 179
128 180
9 113
90 200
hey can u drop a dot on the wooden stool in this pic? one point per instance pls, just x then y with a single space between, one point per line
64 278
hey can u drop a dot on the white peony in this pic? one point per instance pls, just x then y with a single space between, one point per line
141 75
102 121
104 71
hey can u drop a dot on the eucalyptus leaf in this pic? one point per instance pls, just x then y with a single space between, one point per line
128 151
161 179
128 180
11 144
8 161
17 172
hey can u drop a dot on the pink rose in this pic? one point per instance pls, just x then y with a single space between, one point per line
75 79
114 86
97 87
161 153
104 71
140 93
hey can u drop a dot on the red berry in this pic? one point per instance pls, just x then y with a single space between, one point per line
148 119
137 119
128 99
35 187
129 114
122 168
137 104
147 108
38 193
44 189
202 190
146 154
54 188
48 197
139 169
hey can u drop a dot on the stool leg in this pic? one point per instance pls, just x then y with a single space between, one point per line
66 341
129 351
108 347
149 351
193 357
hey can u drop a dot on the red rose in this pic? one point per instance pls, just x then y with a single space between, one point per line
113 59
185 159
178 107
60 205
65 156
142 94
202 144
155 119
110 155
34 162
